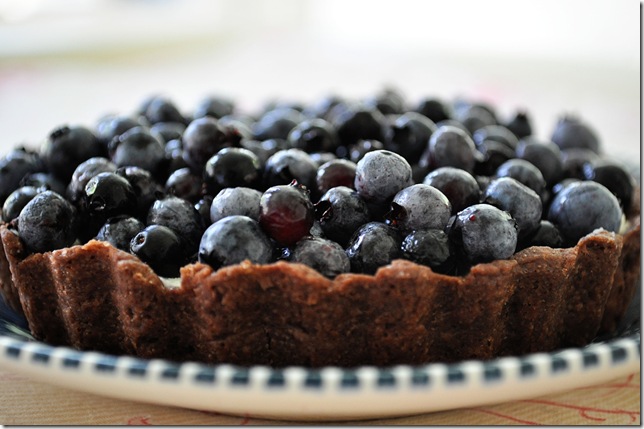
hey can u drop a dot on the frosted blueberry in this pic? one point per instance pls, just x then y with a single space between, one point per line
521 202
372 246
235 201
581 207
47 222
419 206
380 175
450 146
325 256
232 240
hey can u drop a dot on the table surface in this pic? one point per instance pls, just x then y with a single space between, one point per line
28 402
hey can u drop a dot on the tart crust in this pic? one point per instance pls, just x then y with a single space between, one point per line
96 297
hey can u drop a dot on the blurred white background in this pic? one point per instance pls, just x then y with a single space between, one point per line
71 61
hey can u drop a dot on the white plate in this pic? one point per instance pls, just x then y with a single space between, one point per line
324 394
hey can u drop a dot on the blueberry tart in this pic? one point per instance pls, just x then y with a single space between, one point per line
344 232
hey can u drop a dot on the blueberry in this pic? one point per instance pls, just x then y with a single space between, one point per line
231 167
184 184
571 132
287 165
14 167
474 117
276 123
313 135
214 106
232 240
17 200
581 207
428 247
147 190
408 135
137 147
358 150
323 157
460 187
112 126
286 213
380 175
109 194
545 235
525 172
614 177
493 155
338 172
341 212
160 248
45 181
166 131
47 222
449 146
236 129
119 231
573 161
161 109
235 201
419 206
360 122
322 107
203 207
388 101
325 256
521 202
546 156
67 147
520 124
83 173
203 138
497 133
485 233
180 216
372 246
434 109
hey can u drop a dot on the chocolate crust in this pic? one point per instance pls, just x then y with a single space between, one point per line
96 297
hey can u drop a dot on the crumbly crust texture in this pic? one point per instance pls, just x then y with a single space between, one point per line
96 297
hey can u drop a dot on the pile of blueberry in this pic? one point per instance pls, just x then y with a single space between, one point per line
340 185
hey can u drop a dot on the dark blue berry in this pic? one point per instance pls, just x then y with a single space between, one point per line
409 134
214 106
184 184
434 109
419 206
546 156
341 212
47 222
334 173
520 124
485 233
360 122
287 165
372 246
451 147
160 248
380 175
166 131
232 240
235 201
545 235
119 231
614 177
388 101
358 150
325 256
45 181
460 187
286 213
67 147
277 123
107 195
231 167
112 126
180 216
428 247
137 147
17 200
203 208
203 138
496 133
521 202
147 190
525 172
573 161
14 167
84 172
571 132
161 109
581 207
314 135
474 117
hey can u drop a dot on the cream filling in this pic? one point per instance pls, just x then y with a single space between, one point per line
171 282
